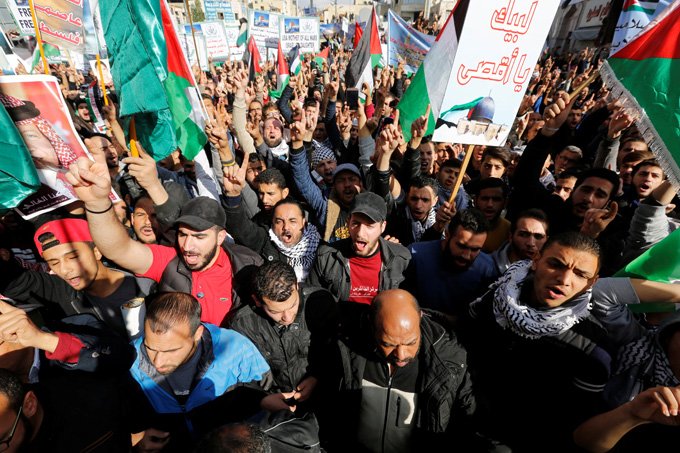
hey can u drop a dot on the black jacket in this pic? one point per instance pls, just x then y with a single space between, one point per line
177 277
331 268
296 351
446 403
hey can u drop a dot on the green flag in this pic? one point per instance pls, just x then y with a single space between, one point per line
18 177
660 264
152 77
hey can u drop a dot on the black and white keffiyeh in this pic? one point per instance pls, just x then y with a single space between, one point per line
300 256
417 227
529 322
647 350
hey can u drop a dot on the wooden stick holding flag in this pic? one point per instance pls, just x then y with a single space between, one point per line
133 138
193 34
461 175
101 79
38 39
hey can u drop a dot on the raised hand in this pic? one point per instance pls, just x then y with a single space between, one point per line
298 127
419 129
91 180
234 178
596 220
621 121
556 114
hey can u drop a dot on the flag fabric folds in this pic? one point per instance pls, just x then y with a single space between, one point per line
282 74
644 74
429 84
152 76
294 65
242 33
252 58
18 177
366 56
357 35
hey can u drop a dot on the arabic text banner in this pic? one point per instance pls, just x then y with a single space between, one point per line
497 51
264 27
61 22
406 43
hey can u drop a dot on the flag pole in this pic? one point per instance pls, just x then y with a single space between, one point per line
133 138
463 167
193 34
101 79
38 38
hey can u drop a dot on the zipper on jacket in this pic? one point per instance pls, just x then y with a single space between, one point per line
387 410
396 419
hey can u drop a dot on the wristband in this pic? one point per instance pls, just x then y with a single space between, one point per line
100 212
230 163
551 129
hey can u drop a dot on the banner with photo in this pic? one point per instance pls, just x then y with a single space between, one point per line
406 43
39 112
487 82
61 23
21 12
235 52
299 30
106 71
263 26
216 43
186 42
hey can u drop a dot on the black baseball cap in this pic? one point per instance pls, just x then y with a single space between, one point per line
202 213
371 205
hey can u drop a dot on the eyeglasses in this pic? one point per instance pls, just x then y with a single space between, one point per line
4 445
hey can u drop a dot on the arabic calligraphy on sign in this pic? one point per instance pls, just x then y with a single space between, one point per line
512 22
498 72
75 38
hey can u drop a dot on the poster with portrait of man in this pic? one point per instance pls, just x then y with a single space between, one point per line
35 104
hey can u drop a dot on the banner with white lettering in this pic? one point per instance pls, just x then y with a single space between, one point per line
61 22
215 37
219 10
299 30
406 43
488 81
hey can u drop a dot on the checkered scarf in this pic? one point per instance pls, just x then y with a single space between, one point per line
301 256
526 321
64 152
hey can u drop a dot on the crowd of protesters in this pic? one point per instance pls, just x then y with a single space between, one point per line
335 295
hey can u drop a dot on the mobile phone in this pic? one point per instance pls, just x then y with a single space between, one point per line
352 98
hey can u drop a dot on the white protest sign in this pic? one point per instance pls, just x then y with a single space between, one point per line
186 41
22 16
236 52
300 30
488 81
216 43
263 26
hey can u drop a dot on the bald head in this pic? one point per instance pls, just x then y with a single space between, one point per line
396 322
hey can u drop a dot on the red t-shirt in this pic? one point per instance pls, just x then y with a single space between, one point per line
212 286
364 276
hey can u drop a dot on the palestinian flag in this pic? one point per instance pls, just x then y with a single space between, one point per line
321 57
282 74
635 16
152 77
242 32
429 84
644 74
252 58
52 54
365 57
357 34
294 60
18 177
